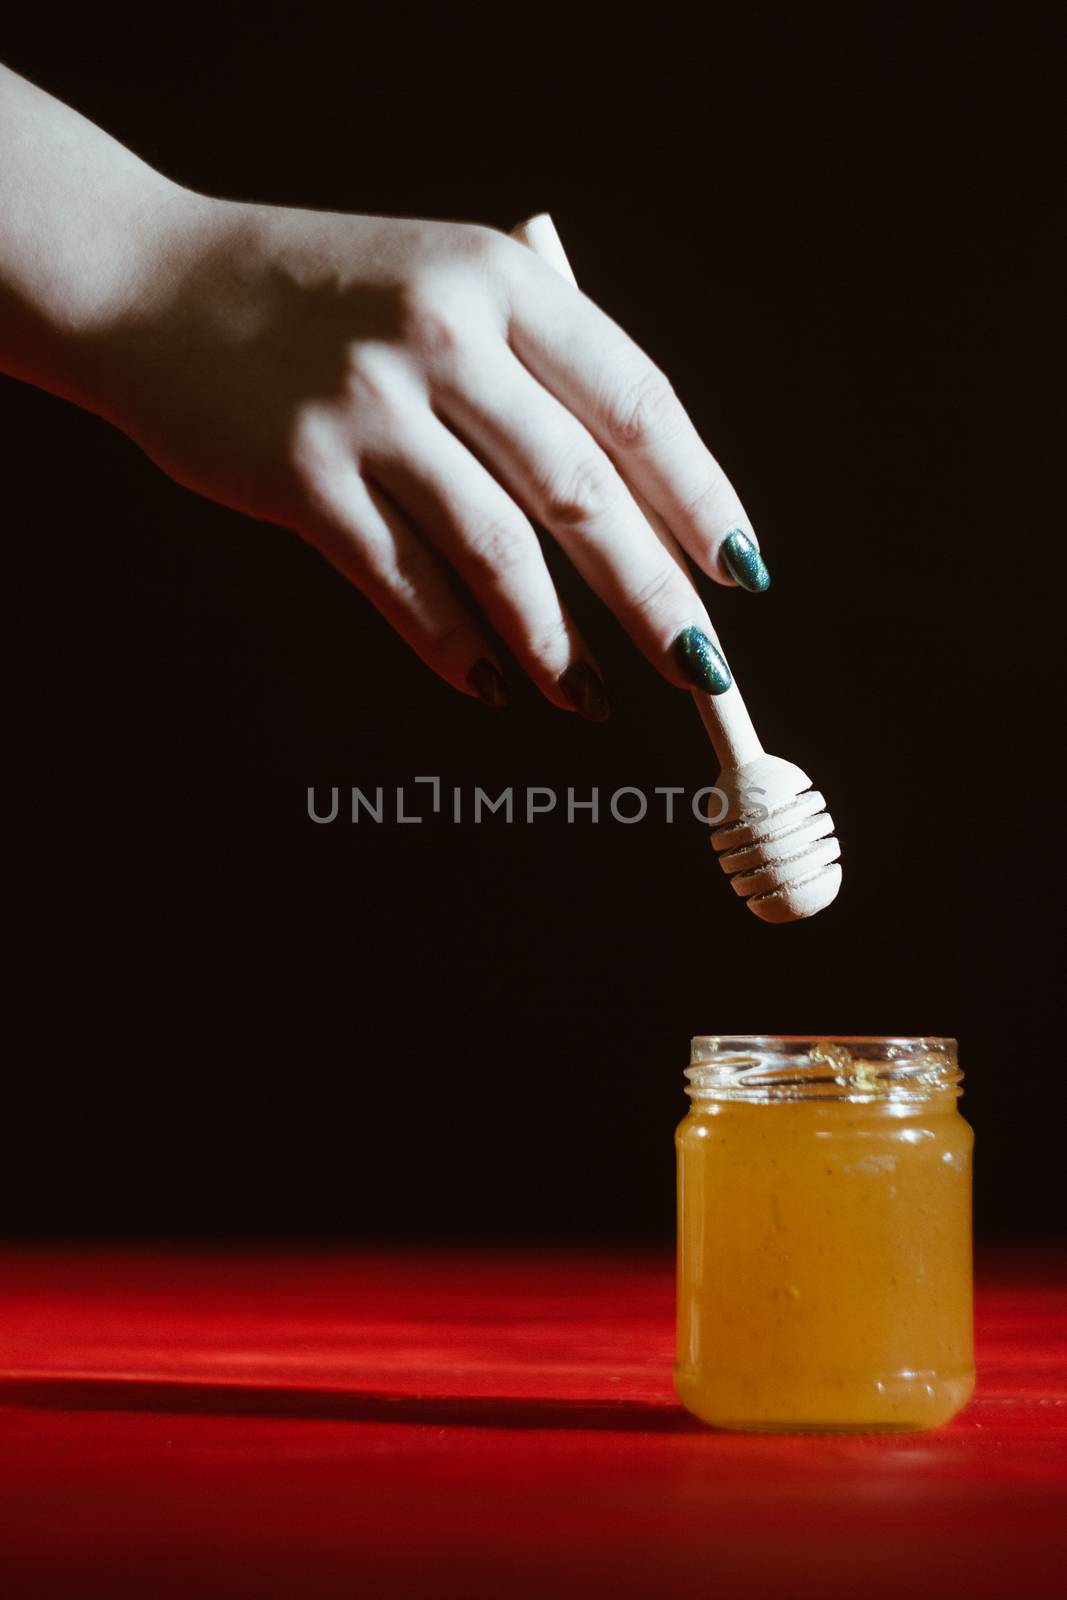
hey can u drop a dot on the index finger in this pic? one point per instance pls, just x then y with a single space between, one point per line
589 363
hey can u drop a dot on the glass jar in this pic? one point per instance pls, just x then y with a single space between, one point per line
824 1235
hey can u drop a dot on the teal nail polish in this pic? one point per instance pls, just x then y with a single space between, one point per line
742 560
702 664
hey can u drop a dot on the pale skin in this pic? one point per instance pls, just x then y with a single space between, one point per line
410 397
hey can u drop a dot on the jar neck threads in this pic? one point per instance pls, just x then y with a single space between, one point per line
768 1067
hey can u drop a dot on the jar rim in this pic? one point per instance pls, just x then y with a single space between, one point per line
931 1039
855 1067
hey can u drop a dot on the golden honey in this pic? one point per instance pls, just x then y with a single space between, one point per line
824 1235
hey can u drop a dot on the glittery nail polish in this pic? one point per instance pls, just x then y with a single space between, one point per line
488 684
742 560
701 662
585 692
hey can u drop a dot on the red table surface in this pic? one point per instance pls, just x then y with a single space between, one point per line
358 1422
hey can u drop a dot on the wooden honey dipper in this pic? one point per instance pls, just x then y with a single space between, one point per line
775 841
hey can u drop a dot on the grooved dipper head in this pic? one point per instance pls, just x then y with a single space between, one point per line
776 843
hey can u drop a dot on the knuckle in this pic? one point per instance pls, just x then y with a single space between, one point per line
427 323
648 600
584 494
548 642
485 247
443 636
643 412
496 546
700 506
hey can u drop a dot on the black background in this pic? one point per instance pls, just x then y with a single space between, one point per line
839 241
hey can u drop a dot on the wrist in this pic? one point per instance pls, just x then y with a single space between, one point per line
86 229
152 247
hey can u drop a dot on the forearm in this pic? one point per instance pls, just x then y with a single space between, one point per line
82 225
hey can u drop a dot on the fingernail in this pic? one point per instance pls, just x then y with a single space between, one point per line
585 692
702 664
488 684
742 560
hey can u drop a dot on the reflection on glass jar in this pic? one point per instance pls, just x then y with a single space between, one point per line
824 1235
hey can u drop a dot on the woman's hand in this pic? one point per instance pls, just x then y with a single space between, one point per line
408 396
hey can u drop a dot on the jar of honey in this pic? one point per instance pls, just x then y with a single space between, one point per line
824 1235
